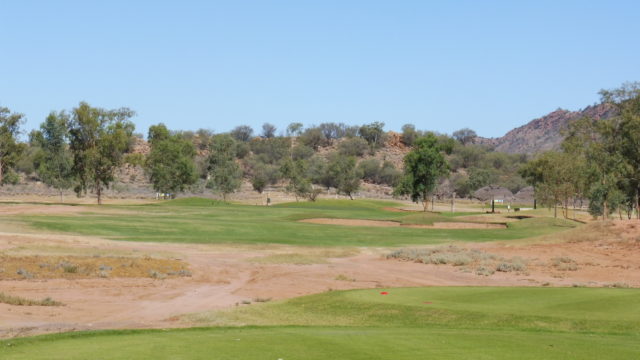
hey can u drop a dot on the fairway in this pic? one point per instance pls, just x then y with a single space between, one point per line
409 323
194 220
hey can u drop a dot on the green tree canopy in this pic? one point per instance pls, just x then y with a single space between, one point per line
424 165
98 140
54 161
224 173
10 148
170 164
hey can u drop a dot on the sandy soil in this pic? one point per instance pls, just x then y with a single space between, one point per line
385 223
223 276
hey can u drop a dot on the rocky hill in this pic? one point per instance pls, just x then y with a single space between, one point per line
544 133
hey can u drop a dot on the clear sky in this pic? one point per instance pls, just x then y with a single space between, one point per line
487 65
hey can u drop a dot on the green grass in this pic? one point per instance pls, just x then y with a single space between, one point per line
419 323
206 221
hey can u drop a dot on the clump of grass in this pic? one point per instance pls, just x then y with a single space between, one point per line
181 272
24 273
342 277
157 274
20 301
564 263
485 271
261 299
619 285
68 267
515 265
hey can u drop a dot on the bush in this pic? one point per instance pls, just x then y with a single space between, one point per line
389 174
242 150
301 152
409 134
272 150
370 169
353 147
314 138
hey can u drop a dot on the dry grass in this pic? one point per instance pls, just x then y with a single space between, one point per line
20 301
484 263
82 267
302 257
57 250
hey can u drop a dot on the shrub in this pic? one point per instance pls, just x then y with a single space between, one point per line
301 152
261 299
68 267
370 169
353 147
314 138
484 271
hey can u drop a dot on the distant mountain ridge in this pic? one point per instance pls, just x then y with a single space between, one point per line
543 133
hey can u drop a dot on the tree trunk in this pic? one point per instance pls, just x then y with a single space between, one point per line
1 174
99 192
61 200
555 209
637 204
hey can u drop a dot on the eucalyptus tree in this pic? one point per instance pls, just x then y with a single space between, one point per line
99 139
224 173
424 165
170 164
10 148
54 161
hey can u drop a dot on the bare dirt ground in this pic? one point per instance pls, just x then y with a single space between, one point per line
223 276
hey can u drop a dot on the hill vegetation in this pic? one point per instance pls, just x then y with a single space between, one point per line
86 149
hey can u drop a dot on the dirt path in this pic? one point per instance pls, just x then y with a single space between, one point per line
224 276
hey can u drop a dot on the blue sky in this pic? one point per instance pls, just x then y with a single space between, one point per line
487 65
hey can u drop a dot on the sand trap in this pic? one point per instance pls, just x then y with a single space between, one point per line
386 223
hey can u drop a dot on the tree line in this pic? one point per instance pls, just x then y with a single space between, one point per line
599 161
81 149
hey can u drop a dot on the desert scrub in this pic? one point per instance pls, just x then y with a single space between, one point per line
618 285
82 267
261 299
342 277
564 263
20 301
515 264
485 263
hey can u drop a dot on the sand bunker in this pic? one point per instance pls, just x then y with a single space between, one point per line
386 223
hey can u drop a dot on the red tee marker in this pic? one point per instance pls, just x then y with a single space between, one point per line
384 293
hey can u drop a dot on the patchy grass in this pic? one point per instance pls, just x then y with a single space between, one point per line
308 257
417 323
82 267
20 301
